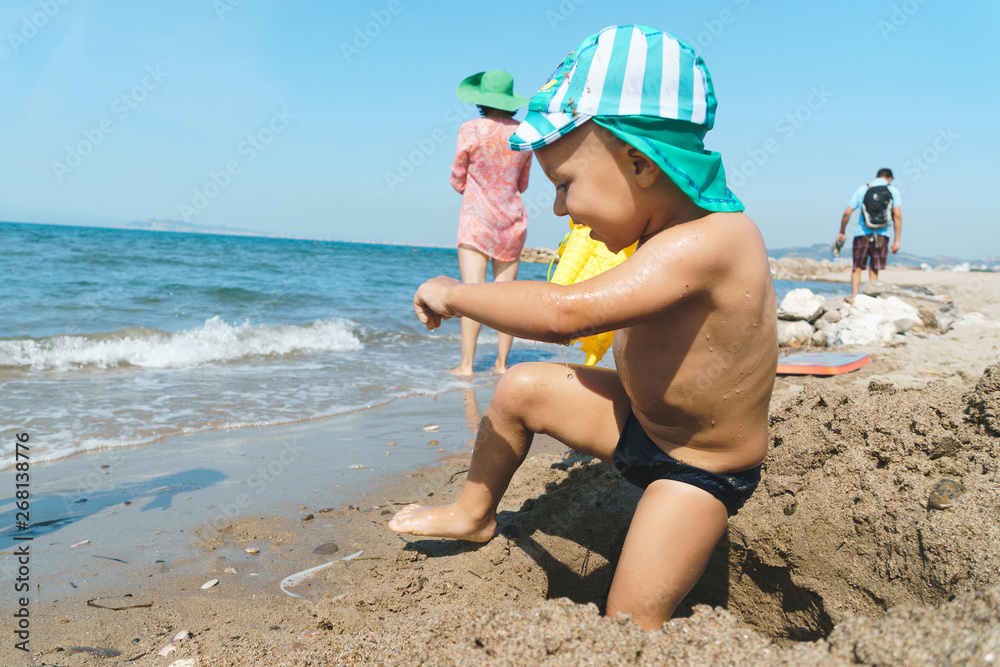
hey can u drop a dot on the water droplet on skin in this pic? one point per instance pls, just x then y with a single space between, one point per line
725 396
708 336
711 349
738 390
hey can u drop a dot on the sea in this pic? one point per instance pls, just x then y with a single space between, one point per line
115 337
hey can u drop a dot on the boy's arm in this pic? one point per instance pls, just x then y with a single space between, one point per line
658 276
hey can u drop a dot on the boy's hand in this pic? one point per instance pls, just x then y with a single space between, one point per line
429 301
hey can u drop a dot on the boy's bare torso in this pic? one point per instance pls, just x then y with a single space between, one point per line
700 373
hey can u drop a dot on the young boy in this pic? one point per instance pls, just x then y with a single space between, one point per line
618 130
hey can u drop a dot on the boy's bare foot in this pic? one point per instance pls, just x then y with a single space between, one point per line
441 521
461 370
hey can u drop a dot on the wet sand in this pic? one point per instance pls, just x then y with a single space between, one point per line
841 557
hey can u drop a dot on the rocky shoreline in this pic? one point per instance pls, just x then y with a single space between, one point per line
537 255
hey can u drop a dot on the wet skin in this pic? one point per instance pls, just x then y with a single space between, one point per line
695 351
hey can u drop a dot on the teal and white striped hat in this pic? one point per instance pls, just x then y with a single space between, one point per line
651 90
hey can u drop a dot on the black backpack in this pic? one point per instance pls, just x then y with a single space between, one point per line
877 206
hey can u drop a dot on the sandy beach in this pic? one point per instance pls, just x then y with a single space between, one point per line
852 551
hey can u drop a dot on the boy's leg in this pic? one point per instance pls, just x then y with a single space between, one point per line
586 412
673 533
502 272
472 265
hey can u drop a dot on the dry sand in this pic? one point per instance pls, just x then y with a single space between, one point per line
839 558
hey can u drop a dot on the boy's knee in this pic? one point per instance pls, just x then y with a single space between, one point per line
517 387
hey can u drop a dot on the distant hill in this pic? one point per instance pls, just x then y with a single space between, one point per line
822 251
154 225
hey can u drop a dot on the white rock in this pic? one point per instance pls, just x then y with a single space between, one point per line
862 329
230 570
902 314
166 650
184 662
801 304
830 317
182 635
873 287
944 319
794 334
819 338
209 583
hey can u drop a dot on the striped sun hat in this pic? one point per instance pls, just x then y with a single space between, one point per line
650 89
623 70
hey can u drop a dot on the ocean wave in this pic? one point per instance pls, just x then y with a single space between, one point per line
215 341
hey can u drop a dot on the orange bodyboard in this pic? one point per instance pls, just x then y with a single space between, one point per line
822 363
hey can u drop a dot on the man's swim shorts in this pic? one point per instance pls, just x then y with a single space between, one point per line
641 462
865 248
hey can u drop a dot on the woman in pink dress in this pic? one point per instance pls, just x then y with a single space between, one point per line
492 224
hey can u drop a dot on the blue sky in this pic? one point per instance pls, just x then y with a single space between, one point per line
338 120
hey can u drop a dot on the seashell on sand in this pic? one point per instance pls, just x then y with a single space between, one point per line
944 493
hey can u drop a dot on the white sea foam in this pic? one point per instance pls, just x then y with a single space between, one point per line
215 341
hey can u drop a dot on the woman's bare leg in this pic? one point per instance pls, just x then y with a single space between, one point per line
672 536
502 272
585 411
472 265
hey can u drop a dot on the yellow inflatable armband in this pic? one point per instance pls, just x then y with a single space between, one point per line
581 257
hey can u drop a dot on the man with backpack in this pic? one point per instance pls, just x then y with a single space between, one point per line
879 205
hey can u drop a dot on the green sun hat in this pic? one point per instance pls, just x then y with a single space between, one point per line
492 88
648 88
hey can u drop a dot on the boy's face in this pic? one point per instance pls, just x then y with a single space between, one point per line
595 185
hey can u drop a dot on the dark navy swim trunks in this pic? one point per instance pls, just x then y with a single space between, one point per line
641 462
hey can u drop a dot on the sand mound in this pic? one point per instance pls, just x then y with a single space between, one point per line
838 548
984 402
844 525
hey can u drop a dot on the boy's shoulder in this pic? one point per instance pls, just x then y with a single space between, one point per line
707 244
714 229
